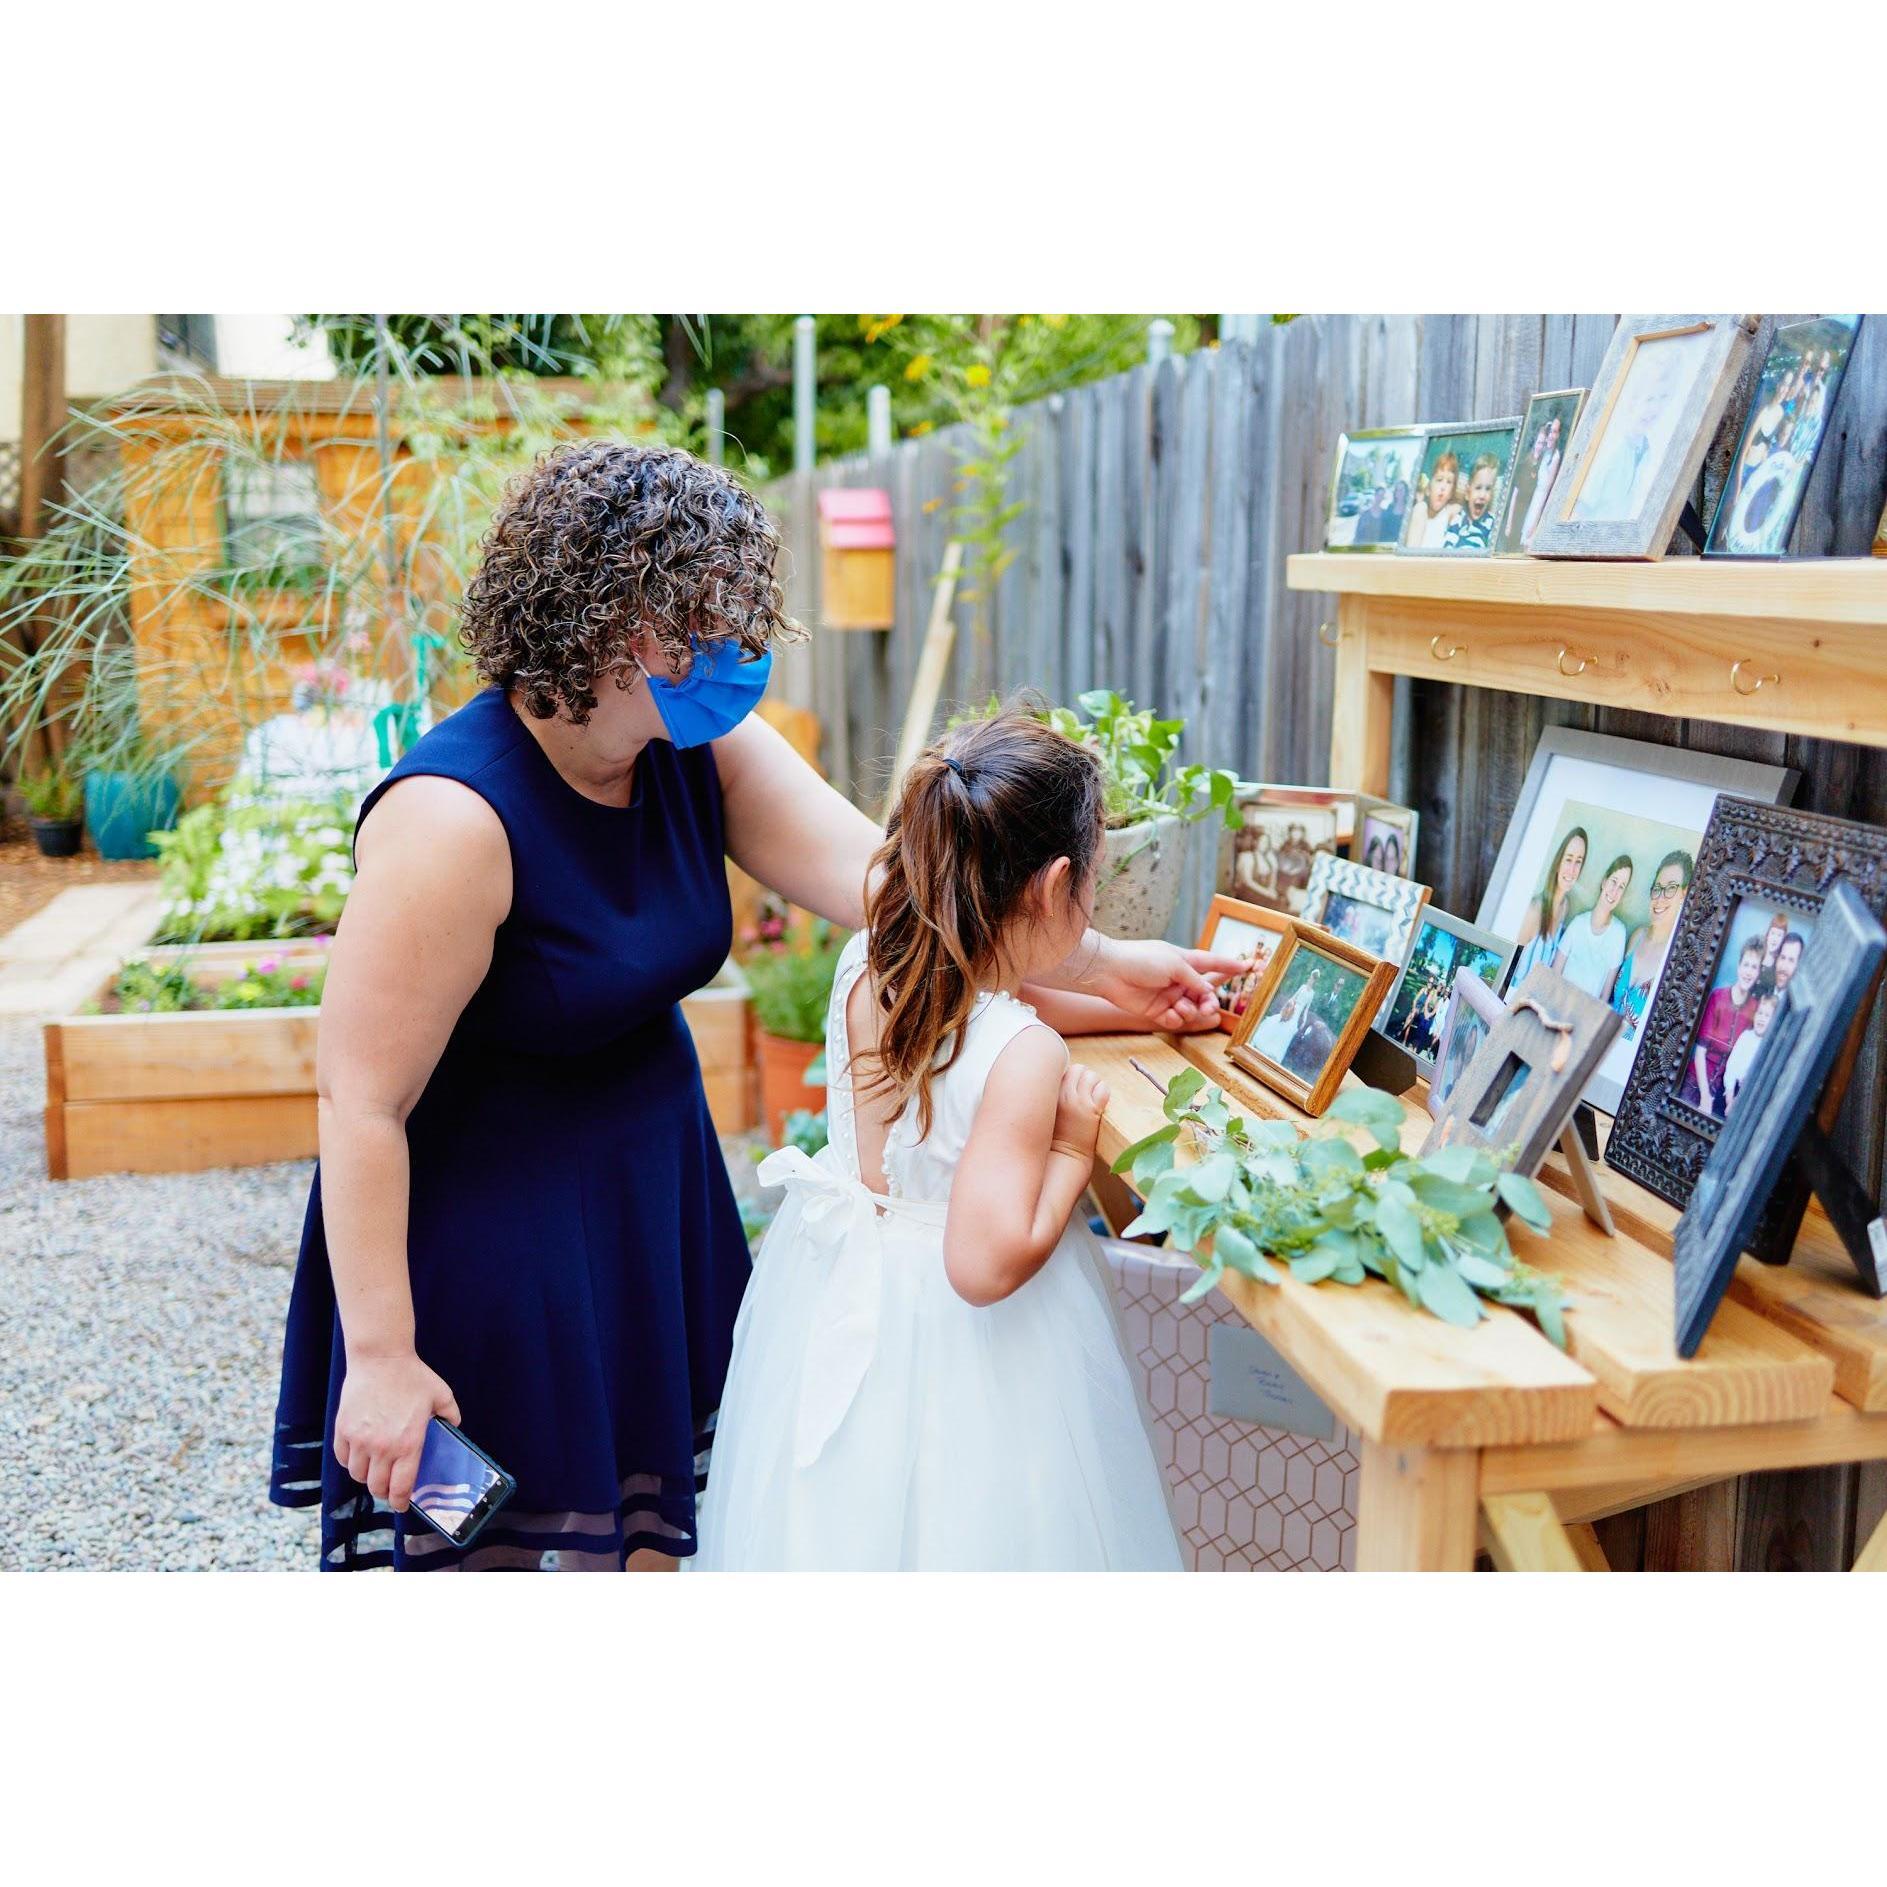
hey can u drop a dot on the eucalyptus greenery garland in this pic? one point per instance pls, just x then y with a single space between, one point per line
1431 1225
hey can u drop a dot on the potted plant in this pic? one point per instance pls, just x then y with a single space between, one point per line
790 987
54 802
1149 803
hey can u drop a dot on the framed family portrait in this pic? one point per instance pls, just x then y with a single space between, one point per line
1763 874
1417 1007
1242 930
1385 836
1281 830
1788 419
1472 1011
1545 434
1457 504
1306 1019
1778 1103
1368 909
1518 1093
1654 408
1598 864
1372 487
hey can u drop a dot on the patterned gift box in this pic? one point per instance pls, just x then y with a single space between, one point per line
1247 1499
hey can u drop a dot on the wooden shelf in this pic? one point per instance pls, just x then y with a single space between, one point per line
1819 589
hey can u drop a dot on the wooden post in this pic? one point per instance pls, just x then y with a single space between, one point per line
1416 1509
42 459
1523 1533
1363 712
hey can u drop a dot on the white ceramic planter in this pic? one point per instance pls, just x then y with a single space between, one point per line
1140 878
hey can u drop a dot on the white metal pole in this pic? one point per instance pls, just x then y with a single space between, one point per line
877 420
804 361
717 426
1159 341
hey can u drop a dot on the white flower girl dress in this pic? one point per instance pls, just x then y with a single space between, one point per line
873 1420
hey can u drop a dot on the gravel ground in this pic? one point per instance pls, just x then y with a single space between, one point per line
140 1334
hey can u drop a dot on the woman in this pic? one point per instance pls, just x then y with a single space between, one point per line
1593 946
522 1217
1547 913
1727 1013
1651 944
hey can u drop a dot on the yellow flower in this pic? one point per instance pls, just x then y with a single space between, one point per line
978 376
917 367
919 430
931 504
1056 321
876 327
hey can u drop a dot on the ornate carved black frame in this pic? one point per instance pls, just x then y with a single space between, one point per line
1749 850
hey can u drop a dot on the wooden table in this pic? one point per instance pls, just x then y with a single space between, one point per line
1494 1438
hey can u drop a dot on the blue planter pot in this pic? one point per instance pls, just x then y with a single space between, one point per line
122 808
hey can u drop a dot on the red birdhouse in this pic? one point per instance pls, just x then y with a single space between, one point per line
858 544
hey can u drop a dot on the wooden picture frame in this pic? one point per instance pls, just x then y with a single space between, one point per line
1235 993
1528 497
1754 859
1583 517
1404 821
1617 793
1339 889
1470 1004
1828 996
1407 1004
1520 1090
1477 439
1310 1084
1340 528
1792 442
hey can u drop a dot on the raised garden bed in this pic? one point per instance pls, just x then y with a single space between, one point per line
131 1093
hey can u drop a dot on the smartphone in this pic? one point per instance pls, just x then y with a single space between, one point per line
459 1486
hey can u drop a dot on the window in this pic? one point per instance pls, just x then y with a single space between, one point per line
192 338
272 521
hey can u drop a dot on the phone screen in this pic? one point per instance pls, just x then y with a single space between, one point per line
457 1487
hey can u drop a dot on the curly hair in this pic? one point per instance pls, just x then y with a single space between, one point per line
599 541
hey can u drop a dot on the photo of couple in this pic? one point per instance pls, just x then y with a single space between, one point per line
1420 1008
1308 1011
1762 950
1544 438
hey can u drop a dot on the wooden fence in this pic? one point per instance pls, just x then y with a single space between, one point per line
1161 506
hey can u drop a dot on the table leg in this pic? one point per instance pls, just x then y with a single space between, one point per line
1416 1507
1523 1533
1363 712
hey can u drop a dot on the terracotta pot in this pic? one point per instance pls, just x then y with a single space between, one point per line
783 1088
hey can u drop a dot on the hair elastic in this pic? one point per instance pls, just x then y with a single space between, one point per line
956 767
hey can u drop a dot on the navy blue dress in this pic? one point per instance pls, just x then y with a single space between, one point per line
576 1254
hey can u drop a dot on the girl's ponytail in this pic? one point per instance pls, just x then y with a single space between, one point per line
979 816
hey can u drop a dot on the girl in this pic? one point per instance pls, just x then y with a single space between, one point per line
926 1370
1592 949
1430 520
1546 916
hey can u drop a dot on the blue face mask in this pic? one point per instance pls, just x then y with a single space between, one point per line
714 697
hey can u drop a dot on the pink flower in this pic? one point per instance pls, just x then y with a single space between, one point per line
268 966
298 982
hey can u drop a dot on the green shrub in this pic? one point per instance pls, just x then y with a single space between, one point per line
235 872
792 987
53 794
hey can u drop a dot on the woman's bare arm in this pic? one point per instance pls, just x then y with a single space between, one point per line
791 830
415 942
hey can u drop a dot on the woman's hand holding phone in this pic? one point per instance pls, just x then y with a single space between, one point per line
380 1426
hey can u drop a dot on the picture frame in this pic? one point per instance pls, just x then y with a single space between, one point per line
1756 861
1383 828
1525 1080
1305 1023
1473 1009
1588 800
1656 402
1268 859
1788 418
1415 1011
1828 996
1546 434
1366 908
1231 925
1370 463
1475 460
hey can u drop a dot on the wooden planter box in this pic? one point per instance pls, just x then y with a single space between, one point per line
179 1093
